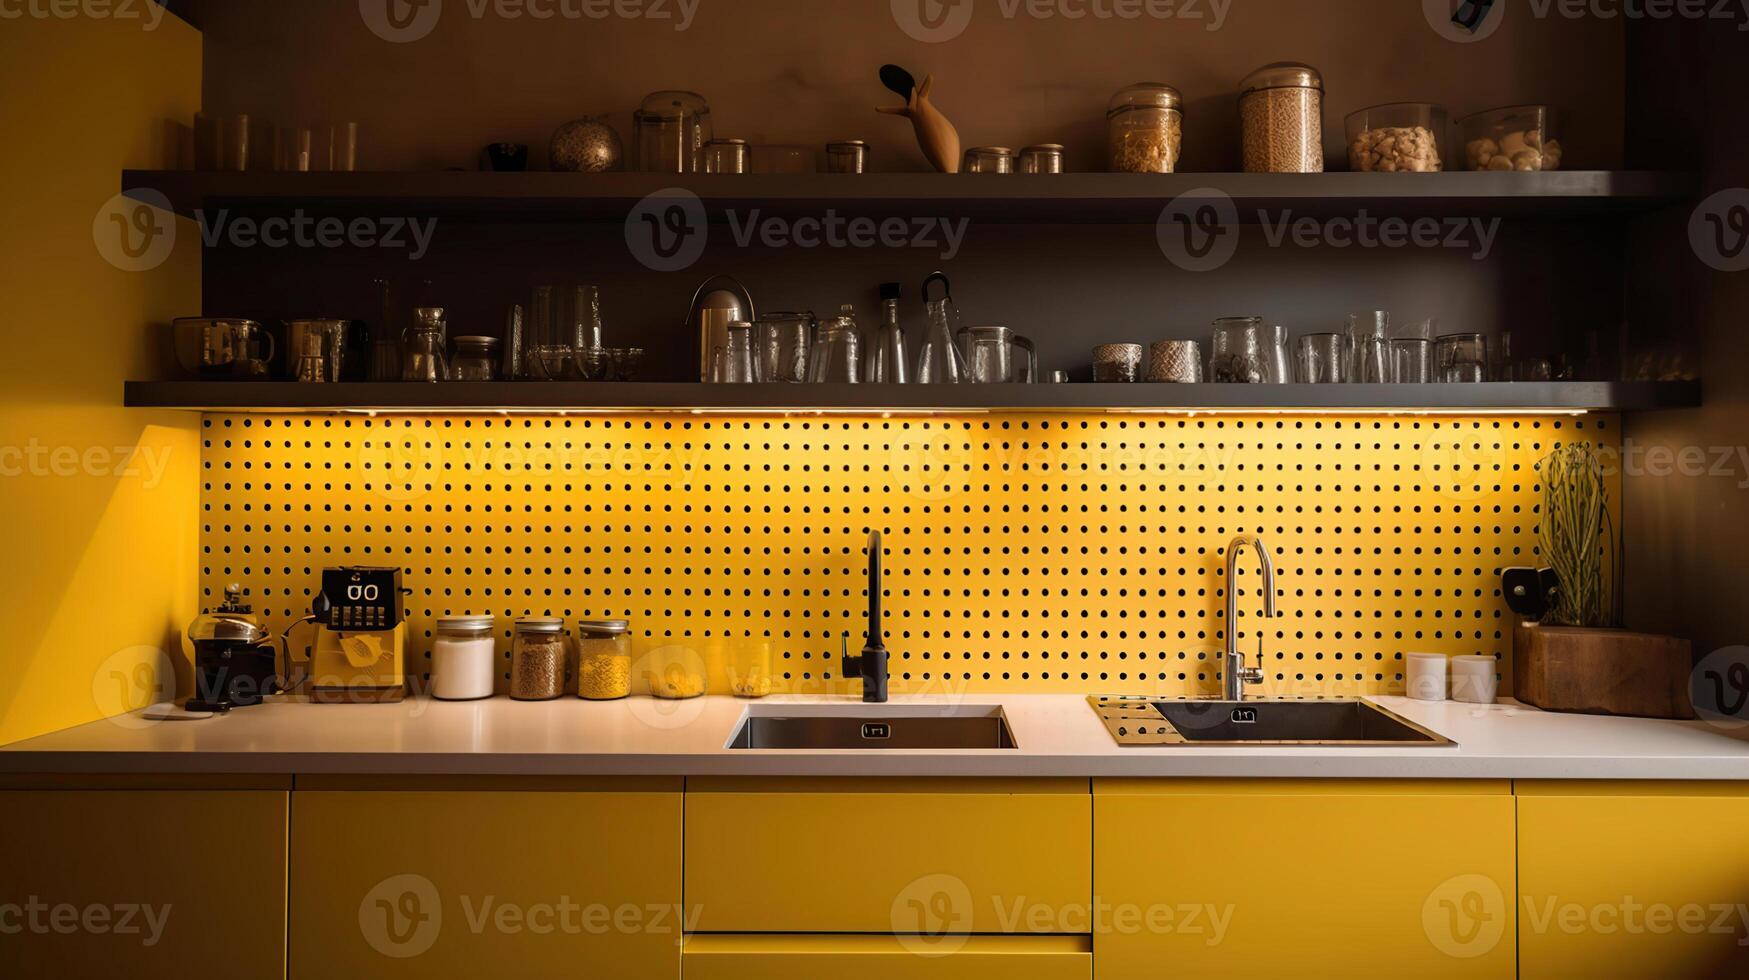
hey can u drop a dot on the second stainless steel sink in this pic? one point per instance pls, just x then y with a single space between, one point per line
873 727
1146 721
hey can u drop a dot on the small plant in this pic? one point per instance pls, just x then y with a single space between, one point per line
1578 538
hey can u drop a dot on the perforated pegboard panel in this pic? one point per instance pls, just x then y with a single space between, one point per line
1024 552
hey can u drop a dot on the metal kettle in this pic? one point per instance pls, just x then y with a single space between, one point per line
713 309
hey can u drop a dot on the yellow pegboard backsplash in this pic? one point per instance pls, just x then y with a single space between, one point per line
1024 552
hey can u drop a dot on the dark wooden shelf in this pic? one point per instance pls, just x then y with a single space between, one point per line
219 396
1078 198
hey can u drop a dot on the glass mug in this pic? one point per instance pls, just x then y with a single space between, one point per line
1462 358
997 355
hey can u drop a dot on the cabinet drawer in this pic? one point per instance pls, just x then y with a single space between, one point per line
889 856
564 880
887 958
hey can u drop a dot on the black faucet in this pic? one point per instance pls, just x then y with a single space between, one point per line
871 666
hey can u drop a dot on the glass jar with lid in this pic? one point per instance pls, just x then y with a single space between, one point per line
671 129
1281 118
464 658
537 659
604 659
476 359
1145 125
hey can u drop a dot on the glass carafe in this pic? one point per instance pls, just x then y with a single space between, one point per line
422 346
940 360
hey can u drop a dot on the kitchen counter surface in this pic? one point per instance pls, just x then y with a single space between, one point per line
1056 735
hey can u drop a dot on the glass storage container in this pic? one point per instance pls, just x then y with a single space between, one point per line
1402 137
1044 158
726 156
674 672
464 658
537 659
988 160
1519 137
671 129
846 157
749 667
1145 124
604 659
1281 118
476 359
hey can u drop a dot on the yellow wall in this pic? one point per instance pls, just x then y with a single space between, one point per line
99 560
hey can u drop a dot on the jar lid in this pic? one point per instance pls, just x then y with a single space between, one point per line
837 143
1044 148
1283 74
998 151
540 624
603 627
465 624
673 104
482 342
726 141
1145 95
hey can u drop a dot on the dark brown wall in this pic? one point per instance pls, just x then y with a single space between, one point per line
1688 535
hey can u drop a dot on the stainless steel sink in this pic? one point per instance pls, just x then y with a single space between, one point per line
875 727
1147 721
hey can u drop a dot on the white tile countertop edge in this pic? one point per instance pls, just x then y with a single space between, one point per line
1056 735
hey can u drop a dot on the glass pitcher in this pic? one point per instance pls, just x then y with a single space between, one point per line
940 360
422 347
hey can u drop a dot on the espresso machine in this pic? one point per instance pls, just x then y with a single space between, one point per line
235 658
360 652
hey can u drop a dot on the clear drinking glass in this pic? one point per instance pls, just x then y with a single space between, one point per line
733 363
940 360
1241 351
1321 359
1462 358
837 356
1369 348
781 345
1412 360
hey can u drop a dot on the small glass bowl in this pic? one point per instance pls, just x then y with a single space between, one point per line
1518 137
1401 137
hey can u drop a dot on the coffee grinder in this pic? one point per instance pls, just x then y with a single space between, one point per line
360 654
235 660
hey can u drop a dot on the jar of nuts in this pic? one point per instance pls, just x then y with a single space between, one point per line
1520 137
1146 126
1281 119
537 659
604 659
1402 137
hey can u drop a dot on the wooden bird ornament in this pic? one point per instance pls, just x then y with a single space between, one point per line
937 137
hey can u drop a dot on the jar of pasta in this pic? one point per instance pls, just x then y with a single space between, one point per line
1145 122
604 659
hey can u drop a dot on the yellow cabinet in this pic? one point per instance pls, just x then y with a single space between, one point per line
1633 880
1305 878
888 958
925 856
142 882
491 877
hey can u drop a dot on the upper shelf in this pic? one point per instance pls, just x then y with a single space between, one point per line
1571 396
1077 198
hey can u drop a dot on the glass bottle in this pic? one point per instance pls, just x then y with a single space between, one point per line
940 361
837 357
887 362
733 362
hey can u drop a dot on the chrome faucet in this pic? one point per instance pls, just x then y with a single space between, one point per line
871 666
1237 675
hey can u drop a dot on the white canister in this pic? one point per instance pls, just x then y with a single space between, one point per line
1474 679
1424 676
464 658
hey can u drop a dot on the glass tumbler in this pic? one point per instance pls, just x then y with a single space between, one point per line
1369 348
781 345
989 355
1412 360
837 355
1321 359
733 363
1241 351
1462 358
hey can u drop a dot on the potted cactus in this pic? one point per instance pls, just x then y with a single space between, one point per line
1578 658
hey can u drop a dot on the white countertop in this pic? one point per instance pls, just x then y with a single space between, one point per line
1056 735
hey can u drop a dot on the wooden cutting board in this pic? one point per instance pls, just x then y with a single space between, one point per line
1602 672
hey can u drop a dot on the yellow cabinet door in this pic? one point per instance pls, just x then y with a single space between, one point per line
1633 880
888 958
142 883
1303 878
486 878
924 856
